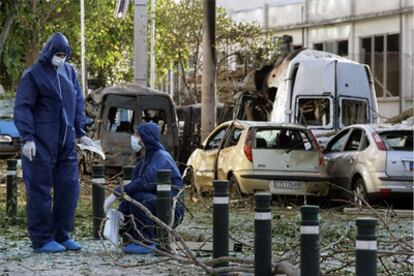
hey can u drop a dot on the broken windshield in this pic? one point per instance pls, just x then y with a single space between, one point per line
354 112
314 111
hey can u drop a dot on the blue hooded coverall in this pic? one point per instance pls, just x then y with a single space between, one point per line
49 111
143 186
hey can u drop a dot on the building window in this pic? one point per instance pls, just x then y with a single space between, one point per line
381 53
318 46
338 47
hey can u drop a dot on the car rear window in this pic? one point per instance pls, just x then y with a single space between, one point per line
283 138
398 140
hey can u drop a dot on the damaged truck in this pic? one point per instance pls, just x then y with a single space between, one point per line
320 90
115 112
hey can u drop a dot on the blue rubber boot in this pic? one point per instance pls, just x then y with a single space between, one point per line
71 245
132 248
50 247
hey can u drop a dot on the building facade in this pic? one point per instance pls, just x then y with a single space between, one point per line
379 33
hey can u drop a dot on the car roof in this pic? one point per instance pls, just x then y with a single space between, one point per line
248 124
132 89
385 127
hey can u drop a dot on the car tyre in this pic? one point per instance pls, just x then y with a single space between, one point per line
359 192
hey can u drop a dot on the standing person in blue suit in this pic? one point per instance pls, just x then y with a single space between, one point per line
49 115
143 187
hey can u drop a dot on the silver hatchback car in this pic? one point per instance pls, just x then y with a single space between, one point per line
373 161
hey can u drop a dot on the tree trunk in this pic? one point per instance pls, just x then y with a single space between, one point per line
400 117
208 98
7 27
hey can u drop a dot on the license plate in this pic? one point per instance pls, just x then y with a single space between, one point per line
287 185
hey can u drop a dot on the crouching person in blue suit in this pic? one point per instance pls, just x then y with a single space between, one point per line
143 187
49 115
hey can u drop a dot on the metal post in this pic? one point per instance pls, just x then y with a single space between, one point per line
163 206
263 234
366 247
221 220
11 193
140 42
208 81
83 70
152 61
309 241
127 172
98 198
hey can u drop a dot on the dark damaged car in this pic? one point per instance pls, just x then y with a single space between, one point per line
117 110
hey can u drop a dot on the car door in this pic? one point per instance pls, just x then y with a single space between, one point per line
203 163
229 158
333 155
349 158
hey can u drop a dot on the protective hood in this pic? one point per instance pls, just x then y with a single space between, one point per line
54 44
150 134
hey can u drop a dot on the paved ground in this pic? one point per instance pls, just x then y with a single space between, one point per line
17 259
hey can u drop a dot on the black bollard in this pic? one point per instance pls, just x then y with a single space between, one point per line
127 172
98 198
309 241
163 207
263 234
221 220
366 247
11 193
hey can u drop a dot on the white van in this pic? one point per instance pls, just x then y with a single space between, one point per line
322 91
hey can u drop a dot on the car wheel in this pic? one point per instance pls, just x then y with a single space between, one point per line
359 192
234 189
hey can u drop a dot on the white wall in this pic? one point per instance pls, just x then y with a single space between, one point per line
285 15
373 6
407 56
331 32
254 15
320 10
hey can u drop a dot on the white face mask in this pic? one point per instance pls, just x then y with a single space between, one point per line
135 143
57 61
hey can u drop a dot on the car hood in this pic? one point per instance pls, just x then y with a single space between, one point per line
8 127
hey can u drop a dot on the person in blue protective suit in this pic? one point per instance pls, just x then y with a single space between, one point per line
143 187
49 115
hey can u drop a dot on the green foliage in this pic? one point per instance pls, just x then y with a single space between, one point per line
179 38
109 41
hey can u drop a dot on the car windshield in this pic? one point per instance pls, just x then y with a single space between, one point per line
398 140
6 108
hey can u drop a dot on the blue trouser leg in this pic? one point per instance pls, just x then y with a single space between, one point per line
66 192
145 227
38 179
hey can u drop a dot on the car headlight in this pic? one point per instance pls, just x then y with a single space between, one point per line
5 139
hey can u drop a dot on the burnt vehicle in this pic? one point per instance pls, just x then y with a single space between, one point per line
189 123
117 110
320 90
9 136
